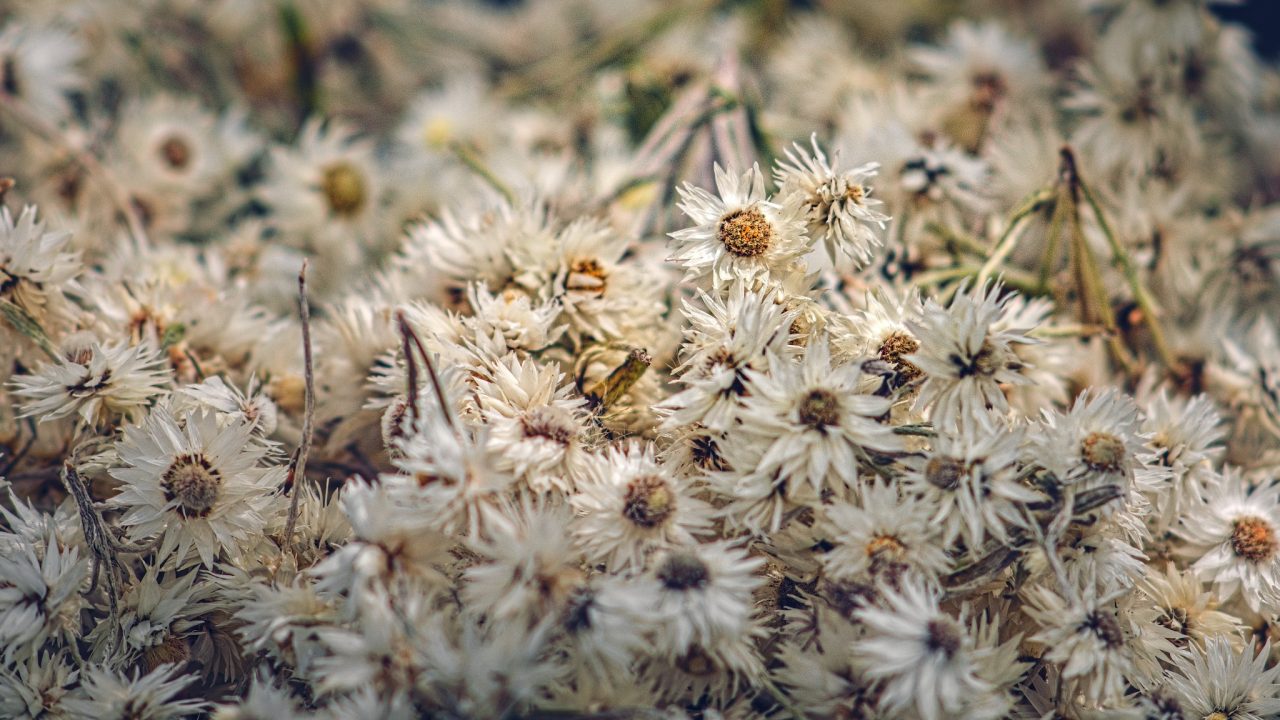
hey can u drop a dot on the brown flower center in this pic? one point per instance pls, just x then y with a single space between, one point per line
944 472
1253 539
649 501
343 187
1105 627
746 233
176 152
819 408
194 483
173 649
683 571
944 637
883 548
587 275
1103 452
550 423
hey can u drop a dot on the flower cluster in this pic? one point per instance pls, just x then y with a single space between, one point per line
377 359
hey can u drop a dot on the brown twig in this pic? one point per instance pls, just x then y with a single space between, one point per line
298 465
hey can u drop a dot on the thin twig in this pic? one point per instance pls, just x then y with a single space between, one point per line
1009 238
298 465
101 548
409 335
1120 258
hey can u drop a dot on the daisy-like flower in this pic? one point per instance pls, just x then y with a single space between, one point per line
327 184
1222 681
1234 536
942 173
728 336
701 594
1185 607
630 505
602 296
838 205
605 628
37 66
1088 637
537 425
882 537
35 263
40 599
94 380
964 357
194 483
813 418
35 688
263 701
156 615
923 657
512 320
1096 443
969 476
153 696
387 543
531 568
981 65
739 233
169 145
882 329
1185 437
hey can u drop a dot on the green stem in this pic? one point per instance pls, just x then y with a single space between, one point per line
1120 258
468 157
1009 239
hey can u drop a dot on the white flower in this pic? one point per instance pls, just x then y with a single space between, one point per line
389 543
530 567
39 67
35 263
1185 437
263 701
969 476
34 689
169 146
838 205
981 66
602 296
40 601
156 616
813 420
537 424
1184 606
728 335
1225 682
1233 536
328 177
964 356
923 656
739 234
511 320
1087 637
630 505
107 695
1096 443
882 536
701 595
94 380
196 485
